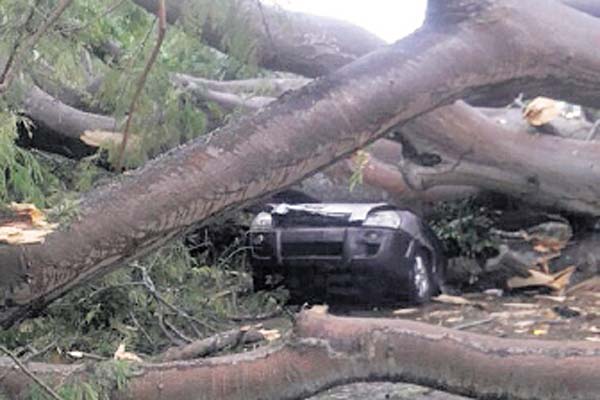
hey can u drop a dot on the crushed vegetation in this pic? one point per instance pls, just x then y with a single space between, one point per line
166 299
187 290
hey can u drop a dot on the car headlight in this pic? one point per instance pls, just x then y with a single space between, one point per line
383 219
262 221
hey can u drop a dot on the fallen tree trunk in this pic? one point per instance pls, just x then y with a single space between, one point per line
304 131
469 149
58 126
295 42
473 148
304 44
326 351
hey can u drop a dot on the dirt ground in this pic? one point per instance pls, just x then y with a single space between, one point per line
384 391
573 317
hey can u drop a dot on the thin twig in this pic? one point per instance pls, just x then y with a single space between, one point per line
180 334
38 353
472 324
161 325
149 285
15 59
27 372
162 28
141 328
106 288
15 47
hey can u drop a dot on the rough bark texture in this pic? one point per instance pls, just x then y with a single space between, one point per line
327 351
302 132
490 149
58 126
469 149
300 43
211 345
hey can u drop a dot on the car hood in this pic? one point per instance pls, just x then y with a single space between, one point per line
352 211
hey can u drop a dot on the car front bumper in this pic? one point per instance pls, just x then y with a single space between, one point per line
363 265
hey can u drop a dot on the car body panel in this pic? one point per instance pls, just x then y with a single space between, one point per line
323 251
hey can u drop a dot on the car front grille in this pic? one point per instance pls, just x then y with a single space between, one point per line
312 249
303 219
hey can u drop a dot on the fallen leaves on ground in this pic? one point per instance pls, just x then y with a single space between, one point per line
556 282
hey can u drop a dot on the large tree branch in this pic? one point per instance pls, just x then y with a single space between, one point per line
449 133
161 13
327 351
473 150
58 127
307 45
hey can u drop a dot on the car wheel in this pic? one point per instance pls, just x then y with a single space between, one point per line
421 283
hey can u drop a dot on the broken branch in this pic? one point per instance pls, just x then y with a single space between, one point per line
162 29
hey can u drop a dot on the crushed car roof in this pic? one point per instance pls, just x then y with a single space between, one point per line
355 211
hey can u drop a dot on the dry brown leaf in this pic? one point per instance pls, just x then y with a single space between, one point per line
536 278
557 299
270 334
405 311
24 224
123 355
448 299
562 278
524 324
556 282
593 339
541 331
541 110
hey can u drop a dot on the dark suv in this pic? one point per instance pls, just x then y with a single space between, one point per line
357 253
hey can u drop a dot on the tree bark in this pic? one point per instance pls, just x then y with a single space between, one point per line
295 42
302 132
307 45
58 126
489 149
326 351
469 149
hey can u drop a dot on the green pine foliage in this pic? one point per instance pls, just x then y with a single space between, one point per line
171 293
22 177
122 308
